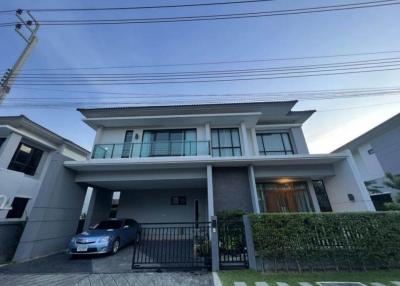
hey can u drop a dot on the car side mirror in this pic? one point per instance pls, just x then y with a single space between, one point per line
126 226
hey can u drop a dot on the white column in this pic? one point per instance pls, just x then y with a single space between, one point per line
99 133
253 189
8 149
245 139
210 193
208 136
255 144
313 196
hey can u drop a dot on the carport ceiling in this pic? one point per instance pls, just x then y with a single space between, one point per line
151 184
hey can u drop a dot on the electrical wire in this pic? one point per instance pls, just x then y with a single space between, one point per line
297 11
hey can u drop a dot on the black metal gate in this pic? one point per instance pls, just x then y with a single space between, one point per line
173 246
232 244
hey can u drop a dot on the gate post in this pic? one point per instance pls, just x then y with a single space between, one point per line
214 244
251 254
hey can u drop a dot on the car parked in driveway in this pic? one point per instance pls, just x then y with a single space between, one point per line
108 236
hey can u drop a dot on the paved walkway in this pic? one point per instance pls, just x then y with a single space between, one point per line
119 279
393 283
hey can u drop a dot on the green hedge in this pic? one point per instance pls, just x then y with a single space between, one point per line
341 241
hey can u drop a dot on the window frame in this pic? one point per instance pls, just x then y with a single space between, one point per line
2 140
26 167
183 131
232 147
10 213
264 151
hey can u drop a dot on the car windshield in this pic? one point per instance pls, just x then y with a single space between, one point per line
109 224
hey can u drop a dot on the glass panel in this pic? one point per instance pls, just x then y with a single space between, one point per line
286 141
128 136
145 148
214 138
176 136
117 151
161 136
177 148
215 152
190 145
237 152
322 196
273 142
235 138
26 159
289 197
226 152
225 139
2 141
260 144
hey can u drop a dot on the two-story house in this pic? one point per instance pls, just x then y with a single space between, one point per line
188 162
35 189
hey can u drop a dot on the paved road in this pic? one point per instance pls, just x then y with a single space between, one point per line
118 279
105 270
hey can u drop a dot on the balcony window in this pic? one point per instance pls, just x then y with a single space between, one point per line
26 159
284 197
225 142
178 142
274 144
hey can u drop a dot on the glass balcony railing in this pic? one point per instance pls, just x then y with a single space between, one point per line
154 149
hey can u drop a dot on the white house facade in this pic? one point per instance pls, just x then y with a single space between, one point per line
187 163
377 152
26 152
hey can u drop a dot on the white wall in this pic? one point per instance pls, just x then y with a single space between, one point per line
368 164
347 180
155 205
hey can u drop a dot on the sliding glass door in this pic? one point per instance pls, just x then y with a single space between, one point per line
284 197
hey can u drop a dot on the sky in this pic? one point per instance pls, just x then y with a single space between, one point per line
336 121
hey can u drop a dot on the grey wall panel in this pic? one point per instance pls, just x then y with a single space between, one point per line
10 233
387 150
231 189
155 205
55 213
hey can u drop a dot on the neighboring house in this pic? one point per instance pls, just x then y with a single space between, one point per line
377 152
188 162
34 183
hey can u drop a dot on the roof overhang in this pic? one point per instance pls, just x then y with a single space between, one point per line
132 164
250 118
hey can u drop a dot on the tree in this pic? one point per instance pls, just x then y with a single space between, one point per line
393 181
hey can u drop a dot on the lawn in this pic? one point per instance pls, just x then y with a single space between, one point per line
249 276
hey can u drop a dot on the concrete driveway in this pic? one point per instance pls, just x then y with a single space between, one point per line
59 269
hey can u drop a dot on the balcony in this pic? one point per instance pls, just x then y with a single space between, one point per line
154 149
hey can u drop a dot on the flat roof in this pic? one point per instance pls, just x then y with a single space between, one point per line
19 121
387 125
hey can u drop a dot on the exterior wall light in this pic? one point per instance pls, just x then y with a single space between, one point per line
351 197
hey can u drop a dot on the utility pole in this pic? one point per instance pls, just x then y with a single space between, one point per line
32 26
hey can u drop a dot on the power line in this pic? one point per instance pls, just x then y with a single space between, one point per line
284 75
297 11
220 62
57 76
147 7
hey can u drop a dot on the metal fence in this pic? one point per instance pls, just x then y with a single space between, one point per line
173 246
232 244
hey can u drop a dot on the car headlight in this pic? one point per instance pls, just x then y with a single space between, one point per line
73 240
104 239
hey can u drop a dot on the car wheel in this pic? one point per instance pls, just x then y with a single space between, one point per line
115 246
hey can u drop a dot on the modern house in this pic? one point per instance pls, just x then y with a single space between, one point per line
377 152
33 187
189 162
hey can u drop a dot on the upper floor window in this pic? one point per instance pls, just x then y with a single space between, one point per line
274 144
174 142
225 142
2 141
26 159
126 149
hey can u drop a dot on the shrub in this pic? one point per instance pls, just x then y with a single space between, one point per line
330 240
